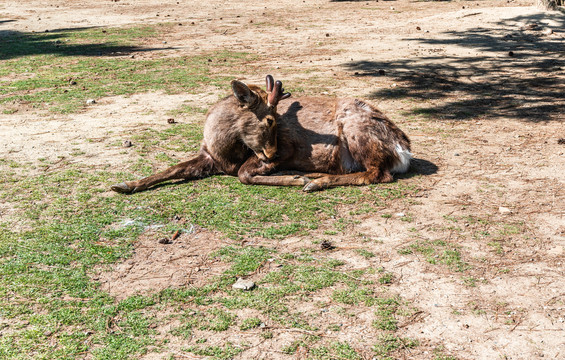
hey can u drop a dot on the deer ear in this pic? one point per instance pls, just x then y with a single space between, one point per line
242 93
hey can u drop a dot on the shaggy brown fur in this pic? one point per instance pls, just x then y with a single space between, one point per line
239 127
333 141
337 142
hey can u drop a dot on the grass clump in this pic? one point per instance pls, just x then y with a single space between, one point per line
228 351
250 323
388 344
336 350
59 70
437 252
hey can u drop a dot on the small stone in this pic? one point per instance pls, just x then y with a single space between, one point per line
547 32
243 284
165 241
90 101
456 154
327 35
418 28
381 72
504 210
511 53
127 143
400 214
326 245
171 121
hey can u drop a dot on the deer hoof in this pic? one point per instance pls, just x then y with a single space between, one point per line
312 186
122 188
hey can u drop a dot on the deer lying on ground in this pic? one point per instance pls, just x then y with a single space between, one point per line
315 142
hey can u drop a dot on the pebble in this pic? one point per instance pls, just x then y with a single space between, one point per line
90 101
127 143
504 210
243 284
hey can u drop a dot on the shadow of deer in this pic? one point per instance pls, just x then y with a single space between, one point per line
315 142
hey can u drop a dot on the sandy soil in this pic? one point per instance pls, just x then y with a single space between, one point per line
495 145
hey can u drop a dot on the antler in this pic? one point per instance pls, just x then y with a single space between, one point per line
276 92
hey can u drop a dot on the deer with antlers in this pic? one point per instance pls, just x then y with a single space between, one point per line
315 142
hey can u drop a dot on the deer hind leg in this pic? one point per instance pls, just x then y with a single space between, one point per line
371 176
300 173
197 168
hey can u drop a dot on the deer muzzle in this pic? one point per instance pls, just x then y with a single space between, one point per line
270 152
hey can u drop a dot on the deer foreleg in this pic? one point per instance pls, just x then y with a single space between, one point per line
255 172
197 168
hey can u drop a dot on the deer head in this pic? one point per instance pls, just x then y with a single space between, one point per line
259 115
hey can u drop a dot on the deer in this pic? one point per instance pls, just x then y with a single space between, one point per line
314 142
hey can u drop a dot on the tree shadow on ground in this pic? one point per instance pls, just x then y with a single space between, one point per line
16 44
518 72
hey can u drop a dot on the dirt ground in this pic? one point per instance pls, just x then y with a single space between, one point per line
477 87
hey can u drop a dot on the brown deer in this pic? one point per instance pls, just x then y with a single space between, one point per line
332 141
238 128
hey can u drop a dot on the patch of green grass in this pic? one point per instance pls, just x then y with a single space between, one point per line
336 350
437 252
228 351
389 344
365 253
250 323
244 259
61 70
291 348
184 138
186 109
386 278
387 309
218 320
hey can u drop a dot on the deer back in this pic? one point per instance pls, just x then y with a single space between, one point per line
337 135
